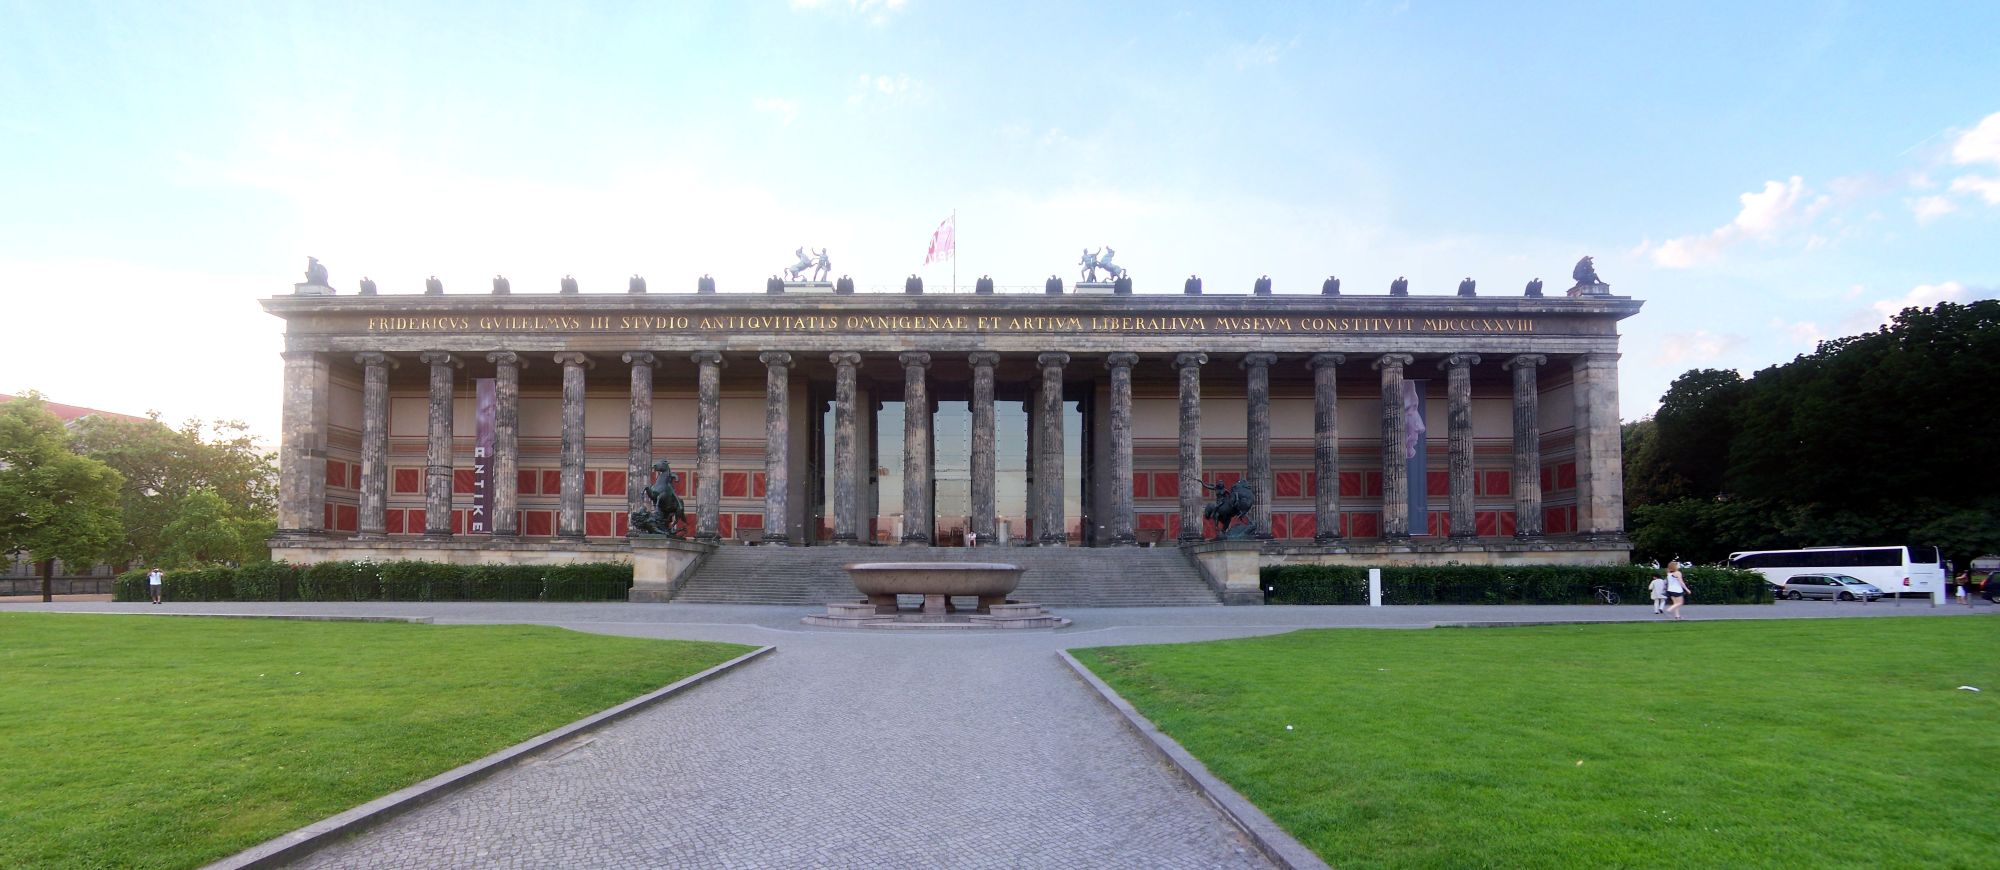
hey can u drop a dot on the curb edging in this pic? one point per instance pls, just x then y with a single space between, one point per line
288 847
1277 845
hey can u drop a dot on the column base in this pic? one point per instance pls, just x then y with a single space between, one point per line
775 541
914 540
430 535
1527 536
1124 539
571 538
370 536
507 535
1325 538
846 540
1052 542
708 537
1463 536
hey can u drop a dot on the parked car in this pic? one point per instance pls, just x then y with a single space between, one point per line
1839 587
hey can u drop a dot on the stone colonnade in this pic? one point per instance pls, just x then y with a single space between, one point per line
1594 378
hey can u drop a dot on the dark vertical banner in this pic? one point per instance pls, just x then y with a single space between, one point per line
1414 438
486 401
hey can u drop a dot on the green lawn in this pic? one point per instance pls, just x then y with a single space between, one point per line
171 741
1805 743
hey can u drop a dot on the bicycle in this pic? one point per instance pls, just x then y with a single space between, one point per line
1604 595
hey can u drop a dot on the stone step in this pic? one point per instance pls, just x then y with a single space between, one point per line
1055 576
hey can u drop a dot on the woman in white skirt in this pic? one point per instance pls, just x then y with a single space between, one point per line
1677 589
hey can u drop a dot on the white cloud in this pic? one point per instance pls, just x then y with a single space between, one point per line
1764 216
1981 144
1930 208
876 11
1987 188
1700 347
1264 52
1920 296
891 88
785 110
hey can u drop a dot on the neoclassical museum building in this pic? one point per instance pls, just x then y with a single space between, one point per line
1372 428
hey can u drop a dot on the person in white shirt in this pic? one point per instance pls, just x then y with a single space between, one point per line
1677 589
1659 592
153 579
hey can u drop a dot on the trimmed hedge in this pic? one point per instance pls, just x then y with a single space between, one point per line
386 581
1501 584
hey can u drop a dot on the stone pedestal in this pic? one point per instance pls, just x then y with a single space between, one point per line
808 287
660 565
1231 568
1094 288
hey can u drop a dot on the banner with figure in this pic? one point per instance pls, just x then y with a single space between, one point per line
944 240
1413 451
486 400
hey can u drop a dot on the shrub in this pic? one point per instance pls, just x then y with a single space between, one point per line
266 581
131 586
507 583
199 584
1500 584
590 581
340 581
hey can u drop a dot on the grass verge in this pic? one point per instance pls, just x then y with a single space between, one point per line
1779 744
137 742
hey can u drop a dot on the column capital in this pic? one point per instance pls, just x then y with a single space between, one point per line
1387 360
572 358
1258 360
985 358
775 358
440 358
1052 360
1325 360
372 358
1190 360
1596 358
708 358
299 355
844 358
1526 361
915 358
1121 360
1458 359
506 358
639 358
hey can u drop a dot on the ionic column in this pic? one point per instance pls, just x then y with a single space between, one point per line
1395 466
506 442
1192 492
1527 445
846 491
708 446
569 510
1458 390
1121 448
639 444
777 446
374 443
1600 473
438 458
984 458
1326 446
1257 437
1050 526
302 470
917 516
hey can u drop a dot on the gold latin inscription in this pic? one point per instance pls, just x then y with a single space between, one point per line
879 324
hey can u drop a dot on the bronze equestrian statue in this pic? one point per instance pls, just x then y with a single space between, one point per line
668 515
1231 503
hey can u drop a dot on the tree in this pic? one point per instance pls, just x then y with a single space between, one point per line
204 530
54 504
164 468
1696 423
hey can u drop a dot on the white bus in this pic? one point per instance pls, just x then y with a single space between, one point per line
1898 571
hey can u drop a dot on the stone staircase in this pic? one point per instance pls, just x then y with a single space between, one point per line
1055 577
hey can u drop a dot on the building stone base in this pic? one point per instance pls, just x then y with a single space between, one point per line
468 551
1230 567
661 565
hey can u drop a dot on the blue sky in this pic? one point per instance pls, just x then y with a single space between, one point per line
1764 175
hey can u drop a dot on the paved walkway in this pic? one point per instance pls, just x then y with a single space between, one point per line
867 749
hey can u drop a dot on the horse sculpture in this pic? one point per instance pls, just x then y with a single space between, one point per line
1091 262
794 270
668 515
1231 502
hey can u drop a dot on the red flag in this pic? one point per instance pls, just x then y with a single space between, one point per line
944 241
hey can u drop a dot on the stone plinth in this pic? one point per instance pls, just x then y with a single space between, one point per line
1094 288
660 565
1230 567
809 287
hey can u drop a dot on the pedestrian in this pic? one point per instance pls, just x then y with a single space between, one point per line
1964 577
1677 589
153 579
1658 589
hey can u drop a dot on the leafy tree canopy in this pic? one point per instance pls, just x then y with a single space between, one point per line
207 480
54 504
